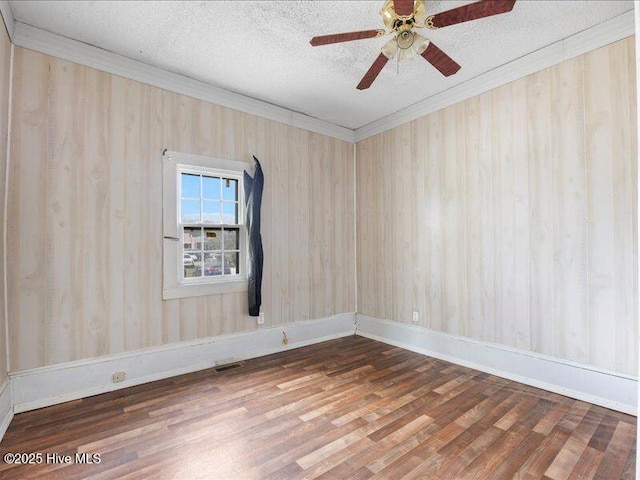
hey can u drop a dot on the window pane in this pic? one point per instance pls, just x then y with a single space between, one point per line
214 267
231 264
189 263
190 211
196 256
211 212
231 239
230 190
213 239
229 213
210 188
211 257
190 186
193 238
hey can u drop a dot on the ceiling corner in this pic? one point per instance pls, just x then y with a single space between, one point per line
7 17
580 43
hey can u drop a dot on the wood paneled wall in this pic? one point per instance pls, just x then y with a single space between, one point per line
511 217
5 71
85 215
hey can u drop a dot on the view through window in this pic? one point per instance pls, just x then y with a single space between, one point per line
210 225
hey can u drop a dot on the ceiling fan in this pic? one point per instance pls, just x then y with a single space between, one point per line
401 17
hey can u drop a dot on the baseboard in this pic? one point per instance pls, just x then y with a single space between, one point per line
6 412
583 382
42 387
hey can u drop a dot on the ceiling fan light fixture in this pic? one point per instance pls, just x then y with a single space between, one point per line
420 44
405 40
406 54
406 44
390 49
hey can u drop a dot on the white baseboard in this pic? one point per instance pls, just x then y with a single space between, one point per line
47 386
42 387
583 382
6 411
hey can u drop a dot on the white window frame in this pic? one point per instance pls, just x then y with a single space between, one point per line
174 284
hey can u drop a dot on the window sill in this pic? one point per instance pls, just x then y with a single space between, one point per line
202 289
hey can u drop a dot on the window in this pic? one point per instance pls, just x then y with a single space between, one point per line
204 233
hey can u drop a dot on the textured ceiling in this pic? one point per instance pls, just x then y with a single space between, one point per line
261 49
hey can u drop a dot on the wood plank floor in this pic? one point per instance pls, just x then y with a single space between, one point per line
347 408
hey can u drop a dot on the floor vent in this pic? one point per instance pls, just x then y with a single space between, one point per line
228 366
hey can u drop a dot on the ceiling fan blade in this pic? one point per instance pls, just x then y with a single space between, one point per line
473 11
403 7
443 62
345 37
373 72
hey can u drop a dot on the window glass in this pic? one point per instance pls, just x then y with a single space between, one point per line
211 212
190 186
208 204
211 188
231 239
231 263
190 211
229 213
230 190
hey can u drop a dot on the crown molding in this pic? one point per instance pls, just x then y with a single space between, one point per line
34 38
49 43
595 37
7 17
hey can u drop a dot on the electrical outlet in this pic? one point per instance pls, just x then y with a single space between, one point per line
118 377
261 318
415 316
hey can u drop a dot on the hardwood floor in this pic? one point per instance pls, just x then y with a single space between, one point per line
347 408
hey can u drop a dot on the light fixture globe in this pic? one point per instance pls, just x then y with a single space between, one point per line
390 49
405 39
420 44
406 54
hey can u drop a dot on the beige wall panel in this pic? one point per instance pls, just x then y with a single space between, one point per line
65 258
625 166
541 211
473 266
27 266
433 226
417 266
502 142
462 232
522 210
299 220
570 211
385 229
116 234
363 237
85 222
316 230
600 186
5 70
452 228
487 216
521 201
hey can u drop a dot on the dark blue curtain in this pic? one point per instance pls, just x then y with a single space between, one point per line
253 199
